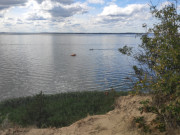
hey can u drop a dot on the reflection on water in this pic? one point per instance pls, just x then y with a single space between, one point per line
41 62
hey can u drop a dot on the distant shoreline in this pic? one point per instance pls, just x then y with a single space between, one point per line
29 33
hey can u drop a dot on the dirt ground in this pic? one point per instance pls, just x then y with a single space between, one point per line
116 122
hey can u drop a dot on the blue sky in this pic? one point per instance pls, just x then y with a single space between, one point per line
114 16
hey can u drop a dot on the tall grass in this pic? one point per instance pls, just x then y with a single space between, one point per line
56 110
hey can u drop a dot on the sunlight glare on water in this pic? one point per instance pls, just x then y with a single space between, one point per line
30 63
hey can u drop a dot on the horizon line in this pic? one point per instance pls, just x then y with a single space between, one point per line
71 33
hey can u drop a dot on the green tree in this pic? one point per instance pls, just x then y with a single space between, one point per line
158 71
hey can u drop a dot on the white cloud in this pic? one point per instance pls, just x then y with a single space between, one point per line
66 16
2 13
36 16
114 10
60 10
49 15
35 12
164 4
59 1
114 13
96 1
4 4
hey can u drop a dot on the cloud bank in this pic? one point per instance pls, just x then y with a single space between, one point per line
114 13
96 1
4 4
74 15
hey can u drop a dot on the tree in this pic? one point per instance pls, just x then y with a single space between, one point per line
158 71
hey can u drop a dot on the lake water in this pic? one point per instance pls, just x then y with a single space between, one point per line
30 63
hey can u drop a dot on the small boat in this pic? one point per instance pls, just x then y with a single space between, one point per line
73 54
91 49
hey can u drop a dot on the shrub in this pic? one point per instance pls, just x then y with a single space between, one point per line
158 71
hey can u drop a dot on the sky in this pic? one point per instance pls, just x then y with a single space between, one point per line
76 16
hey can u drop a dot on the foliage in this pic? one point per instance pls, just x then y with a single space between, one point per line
158 71
126 50
142 124
36 112
57 110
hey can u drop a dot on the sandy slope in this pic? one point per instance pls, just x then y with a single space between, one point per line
116 122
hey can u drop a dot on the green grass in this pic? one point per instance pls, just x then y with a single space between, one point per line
56 110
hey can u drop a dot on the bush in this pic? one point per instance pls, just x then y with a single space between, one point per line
158 71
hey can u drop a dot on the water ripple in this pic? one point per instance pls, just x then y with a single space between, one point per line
43 63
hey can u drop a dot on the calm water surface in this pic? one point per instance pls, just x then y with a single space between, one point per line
32 63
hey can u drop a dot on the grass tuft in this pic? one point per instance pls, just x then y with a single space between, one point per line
57 110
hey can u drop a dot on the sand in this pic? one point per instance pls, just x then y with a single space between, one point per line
116 122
